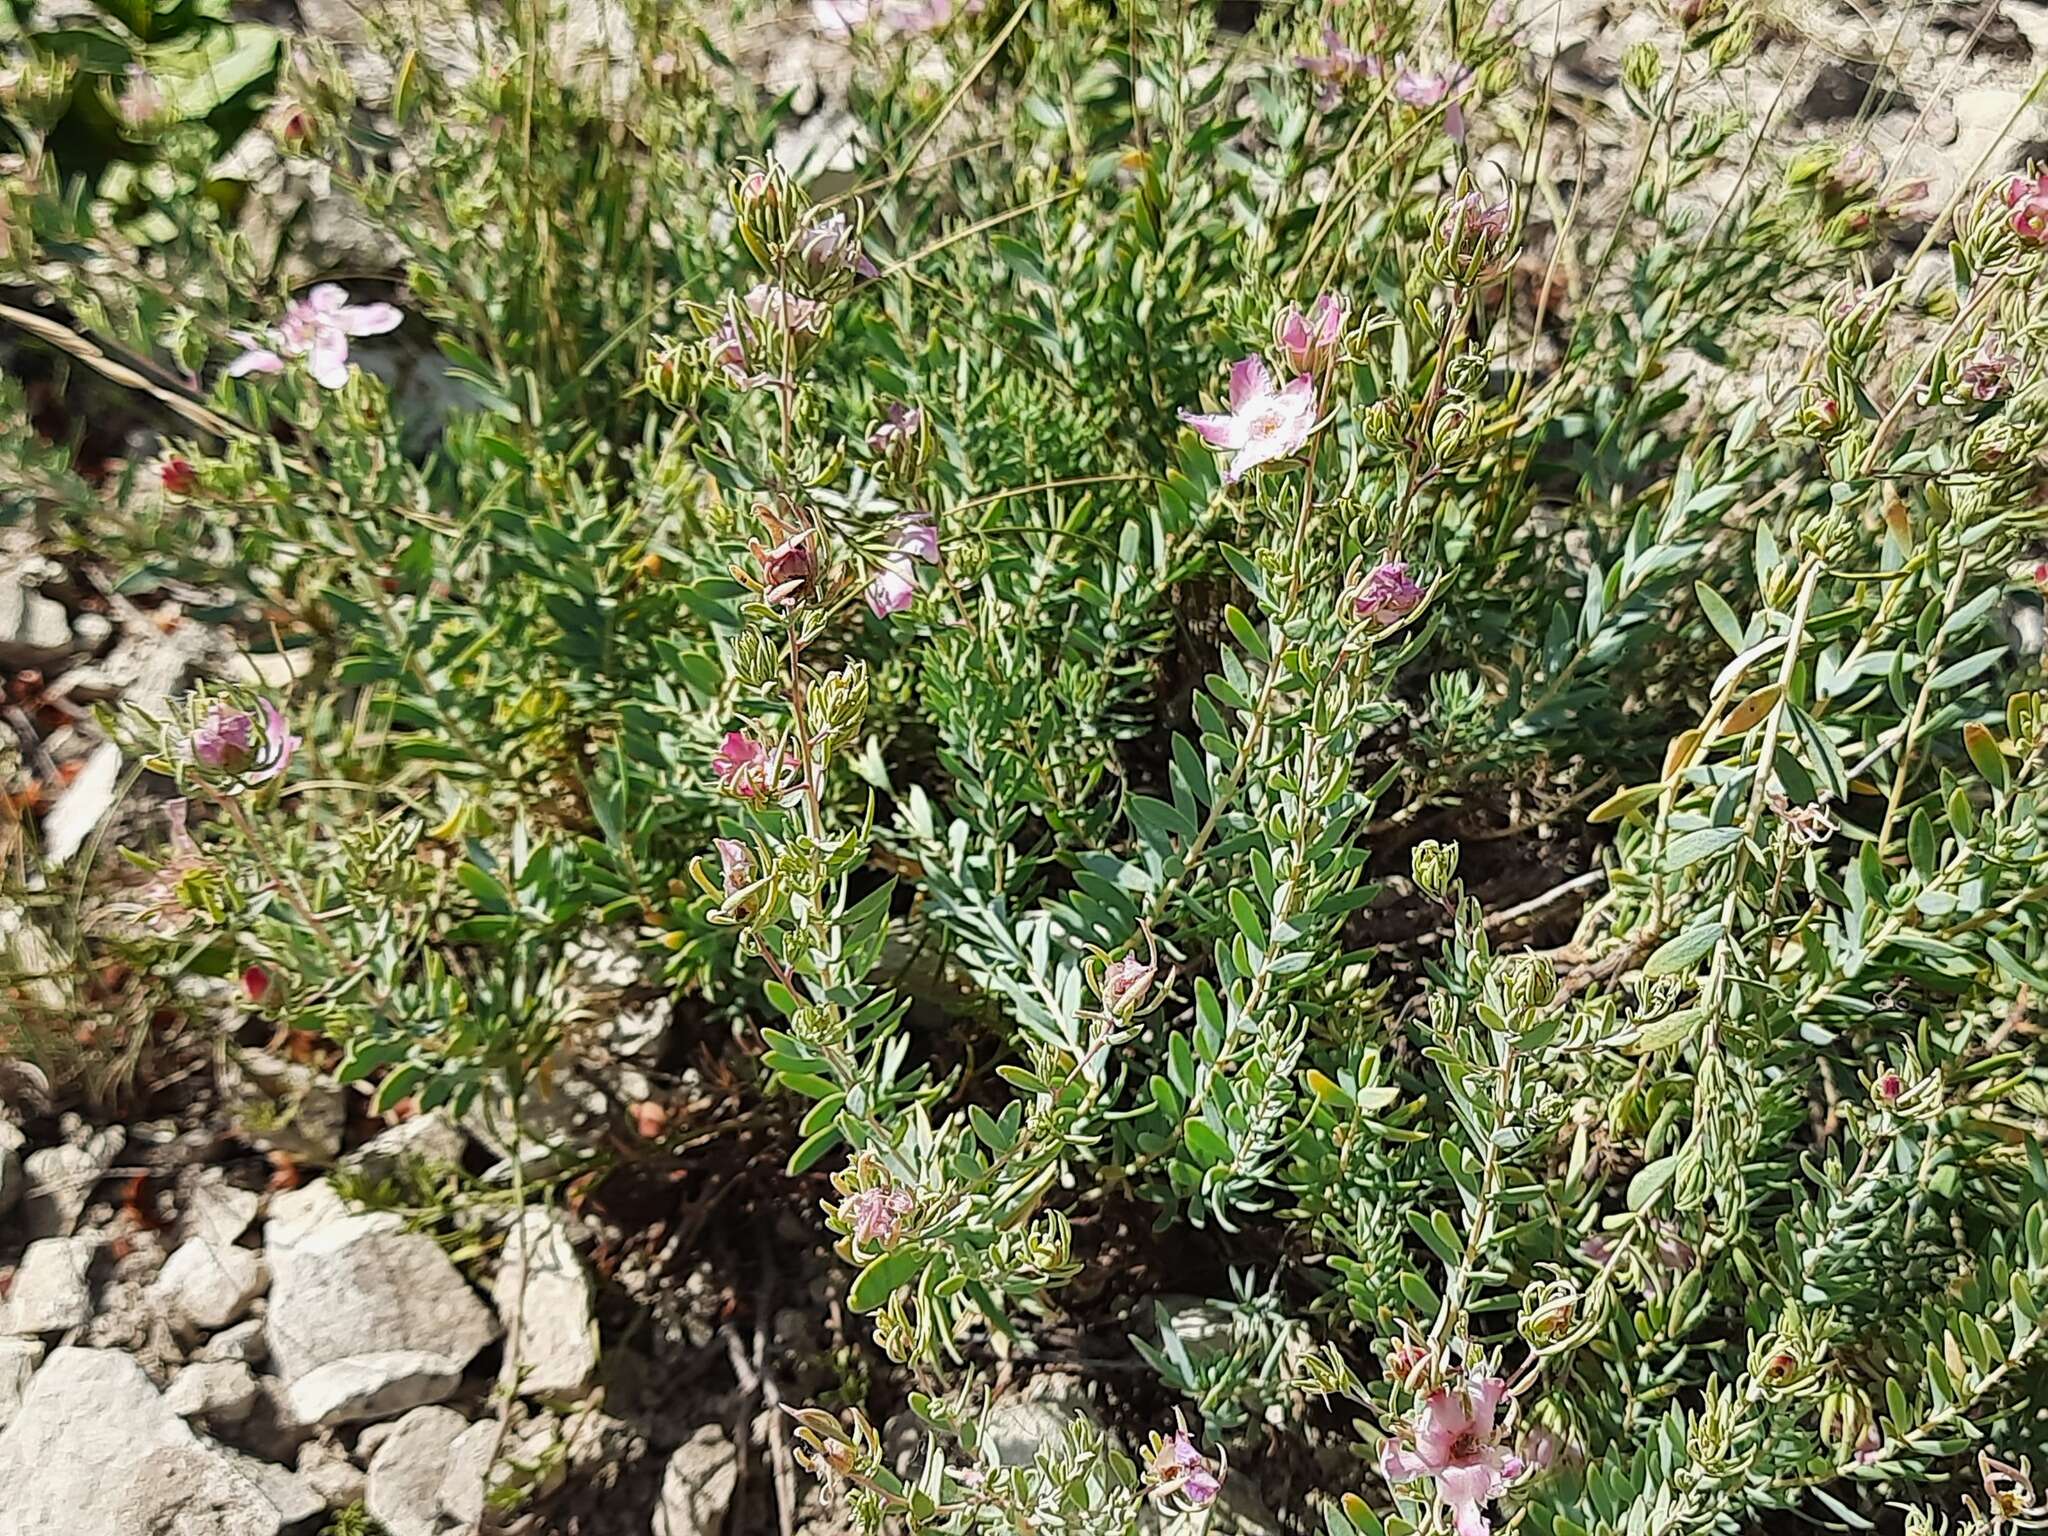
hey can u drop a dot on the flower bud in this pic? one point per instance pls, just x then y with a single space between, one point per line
1124 983
769 208
1641 68
901 443
1528 981
756 660
668 373
1435 866
39 89
1386 425
839 703
177 476
1311 342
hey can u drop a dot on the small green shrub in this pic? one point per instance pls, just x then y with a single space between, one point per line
1146 546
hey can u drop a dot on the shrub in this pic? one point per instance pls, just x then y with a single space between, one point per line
1096 644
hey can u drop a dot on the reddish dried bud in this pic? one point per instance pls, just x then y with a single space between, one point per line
178 476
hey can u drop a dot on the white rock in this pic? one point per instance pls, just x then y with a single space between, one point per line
58 1181
218 1211
1017 1427
50 1292
219 1391
243 1342
432 1139
556 1332
308 1206
327 1470
10 1171
697 1485
82 1459
366 1320
407 1470
18 1361
206 1285
522 1462
296 1500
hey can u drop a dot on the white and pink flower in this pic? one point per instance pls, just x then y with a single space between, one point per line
1455 1442
316 328
1263 423
895 582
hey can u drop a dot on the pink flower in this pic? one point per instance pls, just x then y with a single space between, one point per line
2028 200
735 865
1310 342
1890 1086
895 583
899 440
1338 66
256 984
877 1214
1389 594
829 247
1263 423
1457 1445
1177 1467
316 328
746 768
233 741
1984 374
1425 89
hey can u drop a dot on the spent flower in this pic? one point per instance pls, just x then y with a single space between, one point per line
251 747
1388 595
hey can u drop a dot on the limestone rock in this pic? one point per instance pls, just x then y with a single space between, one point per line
93 1451
697 1485
18 1361
432 1139
556 1322
51 1291
206 1285
366 1320
58 1181
221 1392
326 1470
406 1472
189 1490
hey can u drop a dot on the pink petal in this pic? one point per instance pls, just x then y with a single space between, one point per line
1248 380
256 360
1400 1466
327 299
1445 1420
328 359
919 540
1467 1486
369 319
892 589
1486 1401
1300 395
1216 431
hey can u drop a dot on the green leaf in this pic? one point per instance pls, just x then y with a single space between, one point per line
885 1276
1683 951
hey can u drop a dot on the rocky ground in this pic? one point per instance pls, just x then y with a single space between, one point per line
233 1301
